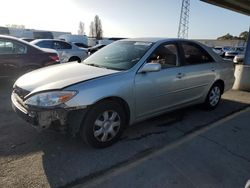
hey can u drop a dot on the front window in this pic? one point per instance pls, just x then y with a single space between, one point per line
166 55
121 55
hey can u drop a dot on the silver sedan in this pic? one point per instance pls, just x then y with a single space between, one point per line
125 82
67 52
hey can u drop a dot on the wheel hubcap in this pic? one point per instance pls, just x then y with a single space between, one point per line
106 126
214 96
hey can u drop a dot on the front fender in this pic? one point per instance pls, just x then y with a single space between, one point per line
92 91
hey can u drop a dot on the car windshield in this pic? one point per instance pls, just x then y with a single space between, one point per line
121 55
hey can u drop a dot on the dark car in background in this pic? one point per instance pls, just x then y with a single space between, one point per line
80 45
27 39
95 48
18 57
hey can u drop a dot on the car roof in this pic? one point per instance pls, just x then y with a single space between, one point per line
39 40
8 36
15 38
11 37
21 41
154 39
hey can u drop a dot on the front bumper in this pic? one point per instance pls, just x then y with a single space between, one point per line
61 119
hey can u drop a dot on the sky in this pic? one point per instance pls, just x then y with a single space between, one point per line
124 18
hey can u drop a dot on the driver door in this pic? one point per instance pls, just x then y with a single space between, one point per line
157 91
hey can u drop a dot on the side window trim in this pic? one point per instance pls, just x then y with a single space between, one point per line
181 54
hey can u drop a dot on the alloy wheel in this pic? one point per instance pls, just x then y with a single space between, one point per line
214 96
106 126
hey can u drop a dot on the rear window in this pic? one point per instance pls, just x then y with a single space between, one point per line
11 47
81 45
194 54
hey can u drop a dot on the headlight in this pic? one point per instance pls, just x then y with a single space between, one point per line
50 99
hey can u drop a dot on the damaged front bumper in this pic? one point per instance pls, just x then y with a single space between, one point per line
60 118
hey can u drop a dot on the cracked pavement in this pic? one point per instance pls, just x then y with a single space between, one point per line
216 157
47 159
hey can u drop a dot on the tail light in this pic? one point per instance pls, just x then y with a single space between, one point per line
54 60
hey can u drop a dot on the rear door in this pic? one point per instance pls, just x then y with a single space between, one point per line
12 56
64 50
198 71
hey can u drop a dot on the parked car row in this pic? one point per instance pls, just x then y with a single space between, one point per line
233 52
18 57
229 52
126 82
67 51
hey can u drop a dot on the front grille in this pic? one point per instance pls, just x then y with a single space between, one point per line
21 92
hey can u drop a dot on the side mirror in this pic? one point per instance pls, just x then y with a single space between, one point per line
150 67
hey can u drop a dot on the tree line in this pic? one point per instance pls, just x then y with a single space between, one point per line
95 28
242 36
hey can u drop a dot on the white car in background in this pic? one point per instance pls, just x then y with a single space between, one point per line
218 51
234 51
239 58
67 51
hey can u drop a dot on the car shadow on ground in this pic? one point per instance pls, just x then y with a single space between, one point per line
86 163
67 161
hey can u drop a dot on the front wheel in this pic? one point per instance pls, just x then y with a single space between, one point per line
104 124
213 97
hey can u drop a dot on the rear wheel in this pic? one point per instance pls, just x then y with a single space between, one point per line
213 97
75 59
104 124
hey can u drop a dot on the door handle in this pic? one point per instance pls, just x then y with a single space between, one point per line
180 75
213 69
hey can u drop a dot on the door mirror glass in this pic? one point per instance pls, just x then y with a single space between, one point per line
150 67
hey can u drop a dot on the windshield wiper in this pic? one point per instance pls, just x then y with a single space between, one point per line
99 66
95 65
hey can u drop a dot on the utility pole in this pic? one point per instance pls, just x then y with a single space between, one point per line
184 20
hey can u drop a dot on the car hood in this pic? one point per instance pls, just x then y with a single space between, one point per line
60 76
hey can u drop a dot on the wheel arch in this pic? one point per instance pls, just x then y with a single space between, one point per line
121 101
74 57
221 83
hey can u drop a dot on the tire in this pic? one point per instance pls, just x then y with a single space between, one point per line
213 97
104 124
74 59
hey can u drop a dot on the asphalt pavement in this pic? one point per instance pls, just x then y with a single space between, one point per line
29 158
215 156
